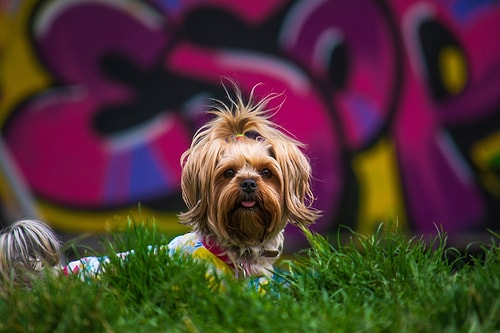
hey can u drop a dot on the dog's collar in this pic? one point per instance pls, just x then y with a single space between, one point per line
240 267
217 251
270 253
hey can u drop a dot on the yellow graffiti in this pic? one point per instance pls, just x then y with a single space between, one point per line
5 25
486 156
381 199
72 220
453 69
20 72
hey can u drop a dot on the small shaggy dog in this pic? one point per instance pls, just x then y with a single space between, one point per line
243 180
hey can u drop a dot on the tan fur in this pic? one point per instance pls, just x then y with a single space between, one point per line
214 200
26 247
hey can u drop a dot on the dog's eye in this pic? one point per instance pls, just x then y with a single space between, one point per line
229 173
266 173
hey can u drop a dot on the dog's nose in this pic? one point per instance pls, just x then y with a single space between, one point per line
248 185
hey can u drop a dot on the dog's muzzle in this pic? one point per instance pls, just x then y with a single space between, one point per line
248 185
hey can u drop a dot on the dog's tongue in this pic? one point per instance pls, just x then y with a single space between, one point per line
248 204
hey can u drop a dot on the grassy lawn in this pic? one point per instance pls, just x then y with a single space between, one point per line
382 283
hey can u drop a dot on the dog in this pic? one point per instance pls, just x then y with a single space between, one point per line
26 248
243 180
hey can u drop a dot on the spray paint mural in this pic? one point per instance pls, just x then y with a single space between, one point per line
398 102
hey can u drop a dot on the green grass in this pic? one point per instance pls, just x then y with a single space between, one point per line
382 283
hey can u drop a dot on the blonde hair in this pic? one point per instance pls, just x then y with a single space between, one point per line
26 247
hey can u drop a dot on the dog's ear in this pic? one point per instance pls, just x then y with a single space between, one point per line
297 181
197 176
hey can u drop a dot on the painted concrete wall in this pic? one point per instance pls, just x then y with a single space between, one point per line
398 102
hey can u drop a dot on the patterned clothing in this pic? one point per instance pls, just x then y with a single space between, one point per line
190 244
90 267
194 246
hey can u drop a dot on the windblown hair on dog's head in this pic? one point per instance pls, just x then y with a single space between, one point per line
239 116
249 120
26 247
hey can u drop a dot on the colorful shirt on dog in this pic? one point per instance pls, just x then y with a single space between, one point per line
189 244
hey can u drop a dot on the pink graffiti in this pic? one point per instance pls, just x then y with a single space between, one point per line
350 49
140 161
52 136
439 181
371 100
127 93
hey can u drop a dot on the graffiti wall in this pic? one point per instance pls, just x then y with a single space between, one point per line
398 102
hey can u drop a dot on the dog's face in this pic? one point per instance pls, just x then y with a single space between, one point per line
247 193
243 179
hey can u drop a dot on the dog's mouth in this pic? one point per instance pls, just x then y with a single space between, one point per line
248 204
